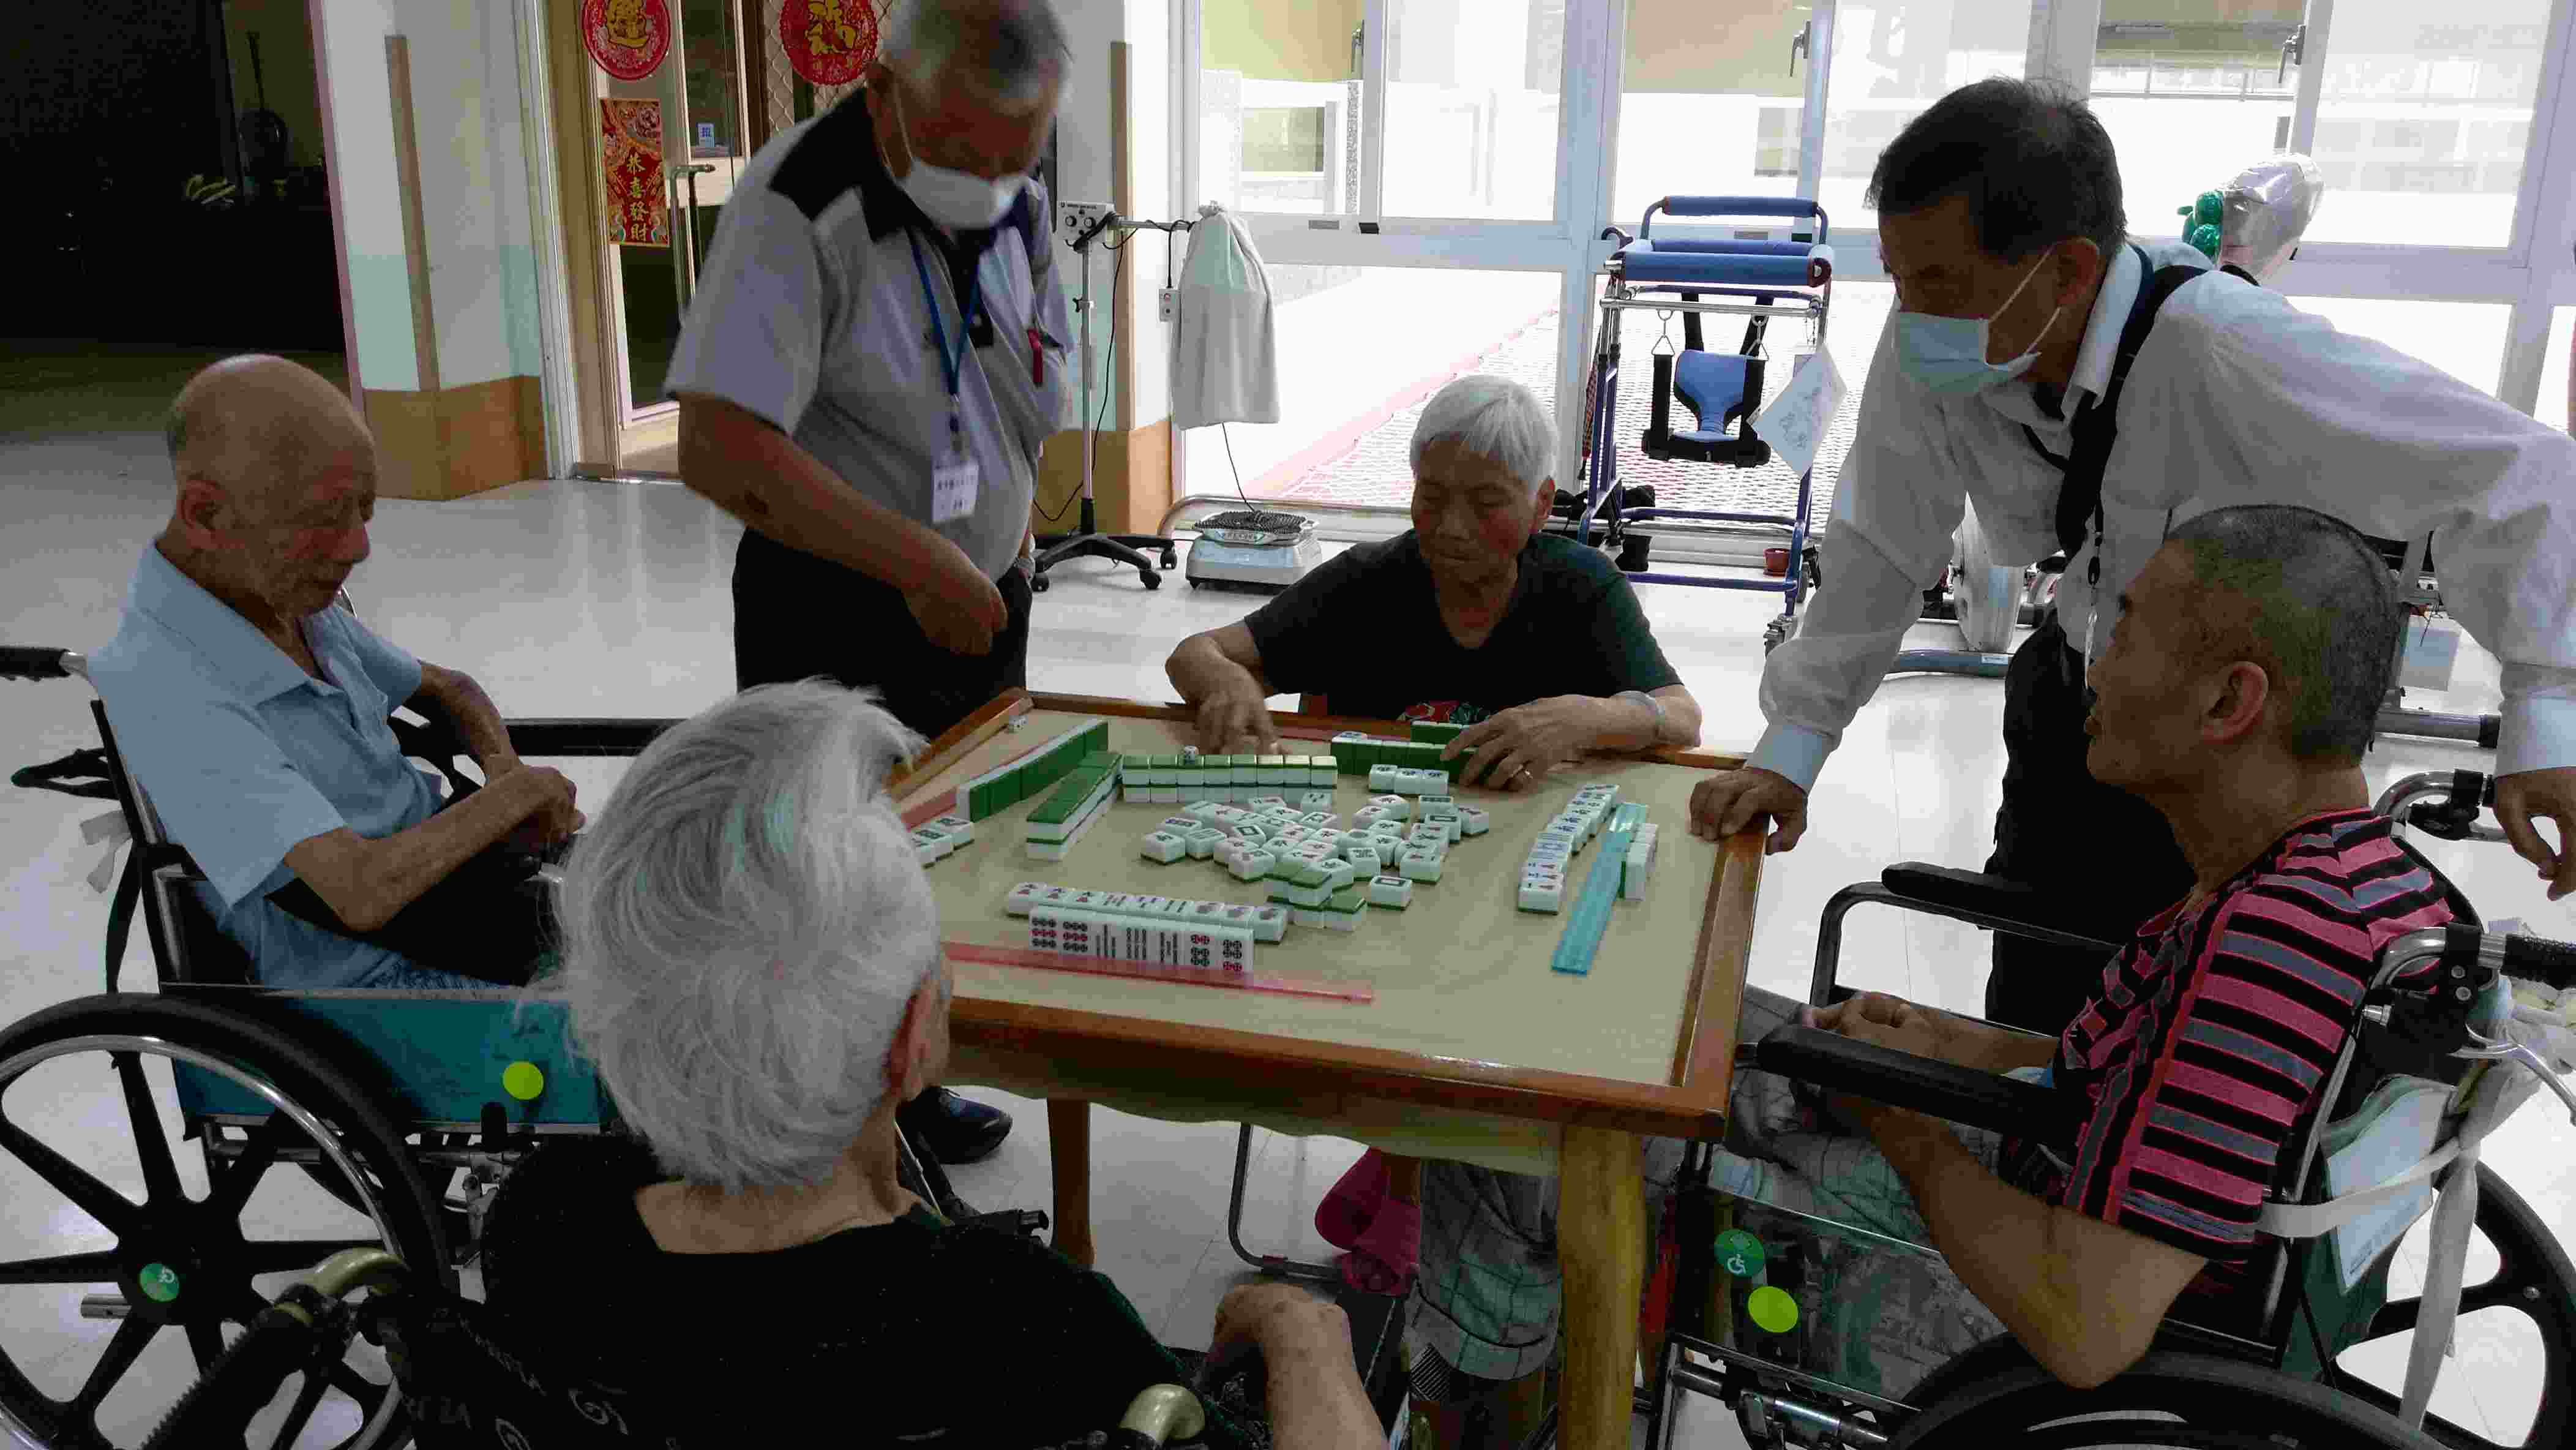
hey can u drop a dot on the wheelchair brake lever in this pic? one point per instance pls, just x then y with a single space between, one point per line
2505 1049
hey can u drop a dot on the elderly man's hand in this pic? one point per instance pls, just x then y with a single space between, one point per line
1890 1022
2532 795
1733 800
552 820
1235 723
958 609
1511 750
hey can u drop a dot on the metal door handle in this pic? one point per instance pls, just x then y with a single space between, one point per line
1802 44
2293 49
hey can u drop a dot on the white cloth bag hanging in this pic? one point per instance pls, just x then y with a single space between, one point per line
1227 369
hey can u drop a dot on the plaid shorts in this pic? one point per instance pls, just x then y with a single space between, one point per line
1488 1292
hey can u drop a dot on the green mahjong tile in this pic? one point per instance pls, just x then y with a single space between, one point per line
1436 732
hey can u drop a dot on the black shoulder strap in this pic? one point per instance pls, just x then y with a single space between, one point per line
2079 503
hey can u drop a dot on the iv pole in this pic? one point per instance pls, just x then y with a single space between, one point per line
1086 541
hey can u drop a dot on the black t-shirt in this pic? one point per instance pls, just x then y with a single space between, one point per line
1364 631
916 1332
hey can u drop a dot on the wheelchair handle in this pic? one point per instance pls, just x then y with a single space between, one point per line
39 662
282 1339
2538 959
289 1335
1791 207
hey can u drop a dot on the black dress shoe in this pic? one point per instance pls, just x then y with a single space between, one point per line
953 1129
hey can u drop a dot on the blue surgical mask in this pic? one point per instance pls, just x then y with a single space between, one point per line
1948 354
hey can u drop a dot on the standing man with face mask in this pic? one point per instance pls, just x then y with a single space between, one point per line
2027 321
873 360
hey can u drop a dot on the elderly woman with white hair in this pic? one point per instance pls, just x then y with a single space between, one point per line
1471 617
751 957
1537 643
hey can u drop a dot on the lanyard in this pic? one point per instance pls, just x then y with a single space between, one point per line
950 364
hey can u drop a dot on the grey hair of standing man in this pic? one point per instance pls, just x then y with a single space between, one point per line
1012 53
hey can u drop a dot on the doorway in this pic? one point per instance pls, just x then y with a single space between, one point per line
630 295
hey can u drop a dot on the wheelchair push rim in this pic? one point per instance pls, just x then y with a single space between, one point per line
2002 1396
183 1262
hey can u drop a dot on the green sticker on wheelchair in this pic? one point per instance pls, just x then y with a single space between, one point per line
523 1080
160 1283
1739 1253
1773 1309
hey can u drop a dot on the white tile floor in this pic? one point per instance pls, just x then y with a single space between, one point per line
569 598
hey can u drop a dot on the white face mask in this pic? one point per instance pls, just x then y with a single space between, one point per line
958 199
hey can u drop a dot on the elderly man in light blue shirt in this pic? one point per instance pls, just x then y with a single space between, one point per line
253 711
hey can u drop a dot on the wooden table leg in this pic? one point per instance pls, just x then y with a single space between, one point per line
1069 1159
1601 1236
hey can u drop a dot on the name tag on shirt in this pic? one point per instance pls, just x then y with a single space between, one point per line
952 490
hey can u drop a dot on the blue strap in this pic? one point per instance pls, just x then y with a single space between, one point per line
950 364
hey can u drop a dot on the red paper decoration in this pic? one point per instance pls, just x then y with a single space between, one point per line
630 148
627 37
829 42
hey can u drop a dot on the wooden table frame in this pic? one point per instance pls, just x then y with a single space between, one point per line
1381 1097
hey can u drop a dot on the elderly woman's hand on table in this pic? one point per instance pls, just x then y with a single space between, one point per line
1512 749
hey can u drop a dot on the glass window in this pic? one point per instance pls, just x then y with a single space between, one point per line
1279 97
2423 119
1346 417
2191 94
1471 108
1892 60
1707 101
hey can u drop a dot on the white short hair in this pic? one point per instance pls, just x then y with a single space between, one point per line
743 925
1495 419
1009 54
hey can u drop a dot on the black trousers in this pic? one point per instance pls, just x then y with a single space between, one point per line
2103 853
796 616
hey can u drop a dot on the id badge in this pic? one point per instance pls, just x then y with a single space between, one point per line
952 489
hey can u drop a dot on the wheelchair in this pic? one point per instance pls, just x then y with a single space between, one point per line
1812 1379
410 1108
476 1384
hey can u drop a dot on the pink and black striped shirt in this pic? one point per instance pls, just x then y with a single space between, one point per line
2216 1028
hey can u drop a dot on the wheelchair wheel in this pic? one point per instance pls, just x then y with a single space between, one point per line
2533 1278
182 1259
1996 1394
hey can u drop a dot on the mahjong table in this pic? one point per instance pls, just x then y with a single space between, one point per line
1438 1030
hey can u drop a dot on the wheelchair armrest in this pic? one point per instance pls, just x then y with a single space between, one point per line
1926 1085
564 738
1989 896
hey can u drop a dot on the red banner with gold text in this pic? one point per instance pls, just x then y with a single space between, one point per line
630 148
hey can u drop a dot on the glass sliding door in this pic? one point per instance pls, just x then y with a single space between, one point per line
2191 99
1712 100
2422 120
1891 60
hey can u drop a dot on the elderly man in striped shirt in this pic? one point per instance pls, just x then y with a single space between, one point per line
2237 698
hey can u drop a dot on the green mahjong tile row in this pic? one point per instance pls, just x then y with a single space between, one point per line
1071 792
1030 779
1435 732
1356 754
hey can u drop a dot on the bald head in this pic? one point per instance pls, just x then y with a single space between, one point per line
257 425
276 480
